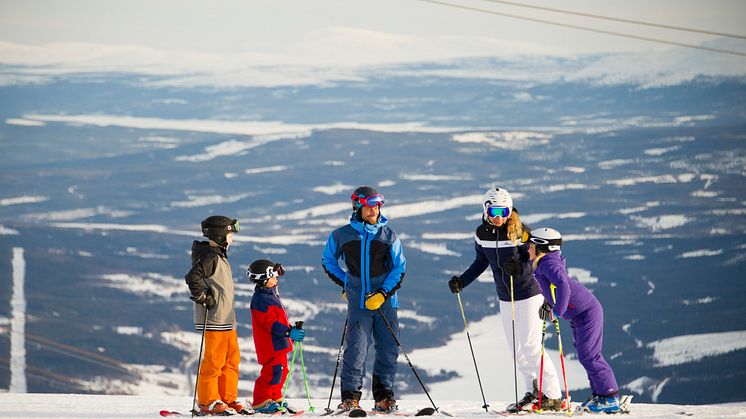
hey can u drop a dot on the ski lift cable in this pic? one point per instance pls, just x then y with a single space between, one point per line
583 28
617 19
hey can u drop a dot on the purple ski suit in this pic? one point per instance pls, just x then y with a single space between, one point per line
573 302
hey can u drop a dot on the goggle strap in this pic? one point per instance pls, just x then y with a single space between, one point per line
271 271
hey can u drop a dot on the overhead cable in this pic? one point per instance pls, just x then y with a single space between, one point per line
618 19
583 28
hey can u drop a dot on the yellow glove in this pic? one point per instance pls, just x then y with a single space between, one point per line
344 296
374 301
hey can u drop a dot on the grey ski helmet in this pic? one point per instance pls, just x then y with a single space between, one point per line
261 270
546 239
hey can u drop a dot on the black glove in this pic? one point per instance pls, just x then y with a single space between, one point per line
455 284
514 267
204 299
545 312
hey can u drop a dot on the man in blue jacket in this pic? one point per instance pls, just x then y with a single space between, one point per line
375 265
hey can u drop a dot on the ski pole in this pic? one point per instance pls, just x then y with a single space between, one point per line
555 320
515 367
287 379
305 378
336 368
396 339
541 364
199 363
299 325
468 337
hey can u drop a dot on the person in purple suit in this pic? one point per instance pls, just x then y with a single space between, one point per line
569 299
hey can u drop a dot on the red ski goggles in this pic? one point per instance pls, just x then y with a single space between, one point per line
495 211
372 201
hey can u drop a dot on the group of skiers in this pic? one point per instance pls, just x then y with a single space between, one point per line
528 268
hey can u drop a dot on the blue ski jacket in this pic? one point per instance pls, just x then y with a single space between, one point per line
374 259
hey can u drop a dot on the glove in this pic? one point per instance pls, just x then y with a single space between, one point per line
455 284
374 300
545 312
204 299
296 334
344 296
514 267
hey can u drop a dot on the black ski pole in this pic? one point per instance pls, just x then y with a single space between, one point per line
468 337
401 348
199 363
336 368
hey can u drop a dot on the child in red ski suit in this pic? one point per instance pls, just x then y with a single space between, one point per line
273 335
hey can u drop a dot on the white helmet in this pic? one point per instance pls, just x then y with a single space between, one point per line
546 239
497 197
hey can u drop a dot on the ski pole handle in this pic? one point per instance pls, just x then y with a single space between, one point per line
299 325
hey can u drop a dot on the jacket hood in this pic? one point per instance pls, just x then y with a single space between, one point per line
201 248
369 228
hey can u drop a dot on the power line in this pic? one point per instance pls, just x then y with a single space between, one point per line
583 28
617 19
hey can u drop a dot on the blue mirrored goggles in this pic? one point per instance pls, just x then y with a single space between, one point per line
494 211
368 201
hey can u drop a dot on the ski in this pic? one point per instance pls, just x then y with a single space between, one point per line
506 413
289 412
361 413
533 412
172 413
427 411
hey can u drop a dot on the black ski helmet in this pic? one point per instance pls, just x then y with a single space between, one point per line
261 270
217 227
546 239
357 194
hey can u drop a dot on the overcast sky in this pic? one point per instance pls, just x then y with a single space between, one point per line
183 36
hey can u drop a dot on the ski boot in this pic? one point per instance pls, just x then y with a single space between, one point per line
387 405
216 408
605 404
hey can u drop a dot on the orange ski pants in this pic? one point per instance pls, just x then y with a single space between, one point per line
218 375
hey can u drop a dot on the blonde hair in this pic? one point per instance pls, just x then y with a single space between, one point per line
515 227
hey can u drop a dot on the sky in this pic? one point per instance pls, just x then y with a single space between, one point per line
307 37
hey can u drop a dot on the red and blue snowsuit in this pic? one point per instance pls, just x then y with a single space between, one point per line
572 301
269 321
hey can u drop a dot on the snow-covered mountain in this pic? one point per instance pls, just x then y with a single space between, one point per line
106 178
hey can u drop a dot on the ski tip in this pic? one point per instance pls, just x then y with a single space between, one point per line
427 411
169 413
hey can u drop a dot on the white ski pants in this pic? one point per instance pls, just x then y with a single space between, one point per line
528 344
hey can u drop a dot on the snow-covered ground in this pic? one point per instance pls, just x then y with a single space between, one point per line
14 405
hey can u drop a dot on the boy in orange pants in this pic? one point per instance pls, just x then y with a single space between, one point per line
273 335
211 285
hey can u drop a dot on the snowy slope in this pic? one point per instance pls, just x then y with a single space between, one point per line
102 407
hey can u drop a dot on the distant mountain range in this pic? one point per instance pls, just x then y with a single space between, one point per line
105 179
